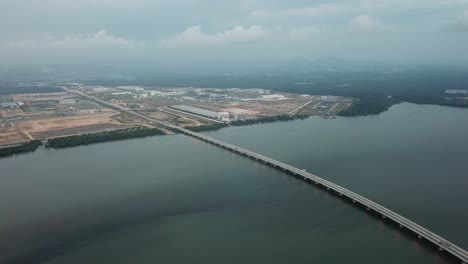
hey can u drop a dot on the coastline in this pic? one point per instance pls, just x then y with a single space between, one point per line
141 132
29 146
263 120
80 140
124 134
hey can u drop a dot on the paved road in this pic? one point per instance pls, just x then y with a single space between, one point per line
421 232
168 109
300 107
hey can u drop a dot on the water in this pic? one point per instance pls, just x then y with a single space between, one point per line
174 199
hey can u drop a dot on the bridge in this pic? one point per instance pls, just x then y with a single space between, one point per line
421 232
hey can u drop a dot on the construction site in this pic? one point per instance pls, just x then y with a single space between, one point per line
26 117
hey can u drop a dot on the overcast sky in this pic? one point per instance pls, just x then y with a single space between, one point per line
205 31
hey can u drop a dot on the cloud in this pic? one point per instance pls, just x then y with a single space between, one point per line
242 29
314 11
460 24
194 36
75 46
98 39
365 24
238 34
353 7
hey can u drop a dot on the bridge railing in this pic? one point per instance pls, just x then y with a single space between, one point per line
419 230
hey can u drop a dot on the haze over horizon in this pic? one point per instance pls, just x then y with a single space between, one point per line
198 34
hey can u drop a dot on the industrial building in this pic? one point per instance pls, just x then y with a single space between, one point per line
196 110
67 101
273 97
223 116
8 105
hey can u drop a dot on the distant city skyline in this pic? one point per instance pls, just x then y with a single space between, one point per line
200 33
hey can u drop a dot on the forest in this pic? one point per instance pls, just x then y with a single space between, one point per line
12 88
375 91
18 149
86 139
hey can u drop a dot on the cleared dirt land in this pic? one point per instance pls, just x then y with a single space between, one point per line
10 135
62 126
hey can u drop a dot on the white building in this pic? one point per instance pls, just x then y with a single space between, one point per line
196 110
9 105
456 92
132 88
68 101
273 97
224 116
122 93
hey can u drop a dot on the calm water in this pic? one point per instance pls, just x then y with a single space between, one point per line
173 199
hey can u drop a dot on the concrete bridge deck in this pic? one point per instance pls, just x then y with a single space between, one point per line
422 233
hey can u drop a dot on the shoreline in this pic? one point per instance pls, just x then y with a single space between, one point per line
80 140
263 120
30 146
124 134
8 151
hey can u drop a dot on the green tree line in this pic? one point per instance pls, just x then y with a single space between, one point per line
28 147
267 119
210 127
369 105
86 139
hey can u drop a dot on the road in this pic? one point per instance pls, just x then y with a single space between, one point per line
300 107
195 115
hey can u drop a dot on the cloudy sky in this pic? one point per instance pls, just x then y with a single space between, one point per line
206 31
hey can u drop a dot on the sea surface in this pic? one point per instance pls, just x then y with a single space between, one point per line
173 199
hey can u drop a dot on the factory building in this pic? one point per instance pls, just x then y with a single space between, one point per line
67 101
196 110
8 105
223 116
273 97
